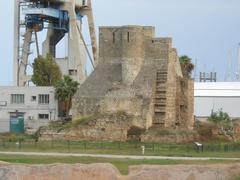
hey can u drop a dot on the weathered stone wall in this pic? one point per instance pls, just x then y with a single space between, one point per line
124 48
173 136
158 49
105 127
189 120
94 89
171 91
185 103
127 45
125 79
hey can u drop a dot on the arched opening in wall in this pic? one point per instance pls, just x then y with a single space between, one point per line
128 36
113 37
62 48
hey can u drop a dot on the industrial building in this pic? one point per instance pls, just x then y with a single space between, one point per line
37 106
214 96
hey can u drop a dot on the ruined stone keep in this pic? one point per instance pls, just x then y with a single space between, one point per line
138 74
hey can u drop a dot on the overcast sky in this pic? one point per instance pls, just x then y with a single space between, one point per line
206 30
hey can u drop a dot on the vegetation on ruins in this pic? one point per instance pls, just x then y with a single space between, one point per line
45 71
224 123
222 119
186 65
59 126
64 91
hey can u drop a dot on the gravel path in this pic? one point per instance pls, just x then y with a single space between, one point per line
117 156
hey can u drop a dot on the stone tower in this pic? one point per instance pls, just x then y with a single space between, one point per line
138 74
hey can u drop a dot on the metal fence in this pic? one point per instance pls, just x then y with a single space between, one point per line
17 144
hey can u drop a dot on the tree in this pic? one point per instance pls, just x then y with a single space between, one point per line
64 91
45 71
186 65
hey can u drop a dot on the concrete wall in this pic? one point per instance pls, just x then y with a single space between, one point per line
214 96
30 108
203 106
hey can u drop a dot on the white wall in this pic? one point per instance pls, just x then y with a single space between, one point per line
31 109
215 96
203 106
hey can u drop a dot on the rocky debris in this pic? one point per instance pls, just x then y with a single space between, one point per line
109 172
107 127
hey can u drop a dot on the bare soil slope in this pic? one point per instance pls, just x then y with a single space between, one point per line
109 172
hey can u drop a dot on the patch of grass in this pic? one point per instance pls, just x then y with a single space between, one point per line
235 178
57 126
60 126
120 148
84 120
11 137
121 164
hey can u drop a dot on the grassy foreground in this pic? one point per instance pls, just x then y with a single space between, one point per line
121 164
127 148
26 143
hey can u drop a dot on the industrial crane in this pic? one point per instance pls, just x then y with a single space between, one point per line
59 17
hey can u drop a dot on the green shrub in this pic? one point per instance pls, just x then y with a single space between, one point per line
221 119
235 178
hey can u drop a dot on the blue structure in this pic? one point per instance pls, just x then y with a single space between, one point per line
60 18
36 18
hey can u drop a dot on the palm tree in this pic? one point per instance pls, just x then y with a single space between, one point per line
186 65
64 92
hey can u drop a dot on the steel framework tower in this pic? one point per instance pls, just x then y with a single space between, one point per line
59 17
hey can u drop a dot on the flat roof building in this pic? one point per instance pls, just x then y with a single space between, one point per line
214 96
36 105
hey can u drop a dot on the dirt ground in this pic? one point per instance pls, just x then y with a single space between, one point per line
109 172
